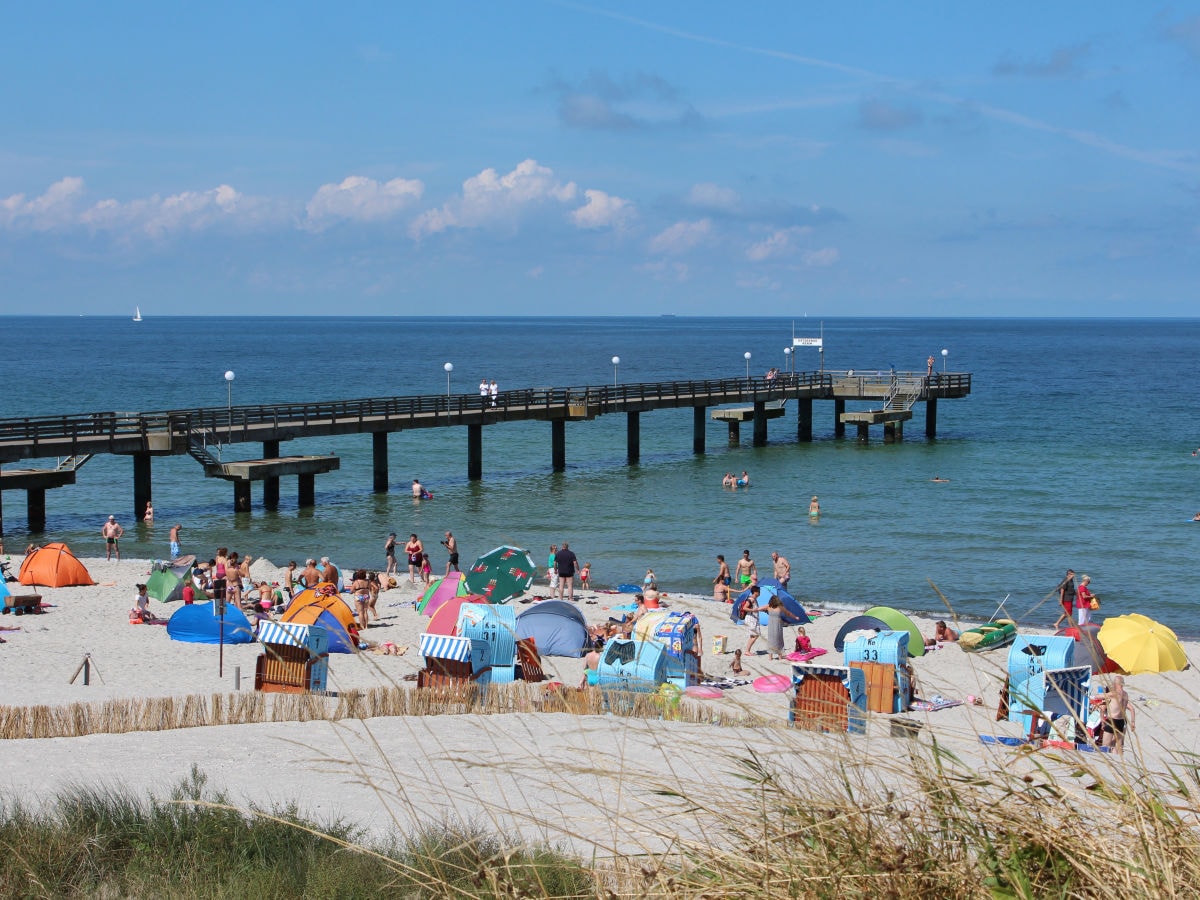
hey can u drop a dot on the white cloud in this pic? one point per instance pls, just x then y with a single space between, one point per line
56 208
712 196
666 271
826 256
62 207
361 199
681 237
778 243
603 211
489 199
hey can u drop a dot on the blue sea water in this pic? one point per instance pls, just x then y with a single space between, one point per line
1074 449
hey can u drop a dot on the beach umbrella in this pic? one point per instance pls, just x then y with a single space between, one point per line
501 574
898 621
440 590
1088 647
445 620
1138 644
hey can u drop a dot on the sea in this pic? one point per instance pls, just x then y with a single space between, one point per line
1074 449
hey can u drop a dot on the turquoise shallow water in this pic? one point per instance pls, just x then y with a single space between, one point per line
1074 449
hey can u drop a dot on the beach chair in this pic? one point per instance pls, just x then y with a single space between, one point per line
529 661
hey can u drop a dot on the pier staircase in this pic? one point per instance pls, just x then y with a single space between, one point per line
73 463
198 443
902 394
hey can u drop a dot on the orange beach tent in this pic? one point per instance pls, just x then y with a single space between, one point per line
54 566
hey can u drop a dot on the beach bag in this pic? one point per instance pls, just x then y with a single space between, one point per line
1095 602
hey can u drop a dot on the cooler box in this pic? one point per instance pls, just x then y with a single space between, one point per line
720 644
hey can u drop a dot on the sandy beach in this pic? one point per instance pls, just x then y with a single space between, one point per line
539 774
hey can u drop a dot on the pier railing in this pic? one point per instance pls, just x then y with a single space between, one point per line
124 432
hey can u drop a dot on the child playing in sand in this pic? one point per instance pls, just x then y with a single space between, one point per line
141 607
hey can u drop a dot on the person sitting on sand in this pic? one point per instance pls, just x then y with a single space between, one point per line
941 633
736 666
141 607
591 663
803 641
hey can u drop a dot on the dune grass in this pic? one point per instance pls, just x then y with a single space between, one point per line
929 826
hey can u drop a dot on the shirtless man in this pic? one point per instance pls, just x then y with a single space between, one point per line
417 489
721 582
112 533
174 539
451 545
783 569
747 572
311 575
1118 715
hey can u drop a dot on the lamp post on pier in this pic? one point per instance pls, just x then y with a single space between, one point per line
449 367
229 376
616 361
787 359
945 353
746 355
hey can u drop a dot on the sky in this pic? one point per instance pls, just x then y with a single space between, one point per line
603 158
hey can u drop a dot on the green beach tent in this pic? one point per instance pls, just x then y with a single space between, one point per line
898 621
164 585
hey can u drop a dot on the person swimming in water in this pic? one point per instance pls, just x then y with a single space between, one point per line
744 481
939 479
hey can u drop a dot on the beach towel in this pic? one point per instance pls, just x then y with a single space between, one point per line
934 703
1006 741
629 588
725 683
806 655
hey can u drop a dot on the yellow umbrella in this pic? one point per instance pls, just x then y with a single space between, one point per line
1138 644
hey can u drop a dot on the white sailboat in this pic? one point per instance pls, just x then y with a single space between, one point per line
137 314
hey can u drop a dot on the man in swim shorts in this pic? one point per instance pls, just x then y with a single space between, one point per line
112 533
747 572
174 539
783 569
1066 596
451 545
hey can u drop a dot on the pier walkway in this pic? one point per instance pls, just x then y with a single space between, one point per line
73 439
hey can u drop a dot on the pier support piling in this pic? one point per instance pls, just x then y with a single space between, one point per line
893 432
270 485
633 437
735 433
379 462
307 490
141 484
864 432
839 427
699 418
931 417
804 420
760 423
474 452
558 444
35 503
241 496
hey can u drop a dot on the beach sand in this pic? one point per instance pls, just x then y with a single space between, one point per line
585 781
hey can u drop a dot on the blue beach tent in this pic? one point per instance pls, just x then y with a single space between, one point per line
556 626
196 624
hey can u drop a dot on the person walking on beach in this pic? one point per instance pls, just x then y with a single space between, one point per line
1066 597
112 533
722 581
451 544
1083 600
552 568
1118 715
783 569
747 572
174 539
389 554
749 614
565 562
414 550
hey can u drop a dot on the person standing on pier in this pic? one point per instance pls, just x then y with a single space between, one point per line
112 534
494 390
483 390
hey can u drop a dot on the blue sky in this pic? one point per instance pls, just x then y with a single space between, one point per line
600 158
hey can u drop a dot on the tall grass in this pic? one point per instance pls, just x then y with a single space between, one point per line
928 825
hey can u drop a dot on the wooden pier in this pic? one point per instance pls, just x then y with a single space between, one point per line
74 439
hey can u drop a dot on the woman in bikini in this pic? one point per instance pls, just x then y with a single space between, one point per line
361 591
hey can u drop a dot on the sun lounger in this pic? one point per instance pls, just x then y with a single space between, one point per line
19 605
529 661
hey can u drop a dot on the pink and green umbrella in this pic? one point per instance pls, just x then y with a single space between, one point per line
441 590
501 574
